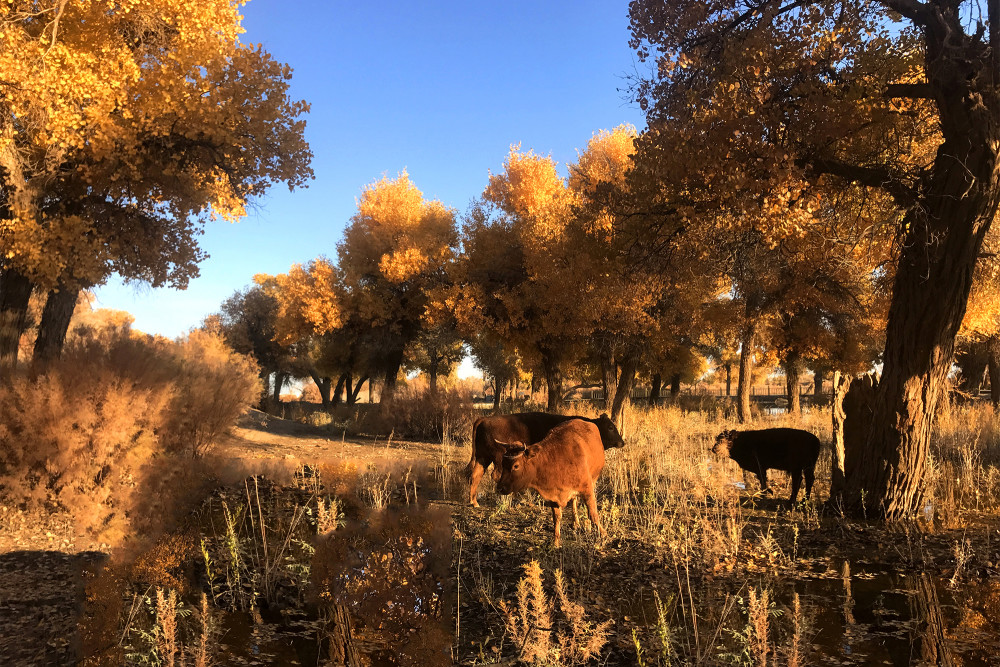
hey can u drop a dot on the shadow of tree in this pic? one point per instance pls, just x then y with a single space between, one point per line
41 599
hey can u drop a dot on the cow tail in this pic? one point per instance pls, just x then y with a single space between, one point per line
472 460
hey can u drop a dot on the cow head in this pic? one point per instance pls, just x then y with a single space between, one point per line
723 443
609 433
516 471
501 450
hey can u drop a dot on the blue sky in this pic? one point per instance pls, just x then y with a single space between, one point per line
441 89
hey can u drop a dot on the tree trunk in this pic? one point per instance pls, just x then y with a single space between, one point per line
356 391
994 368
265 389
654 390
553 381
393 362
841 384
15 292
609 378
956 202
323 384
497 384
432 376
819 377
338 392
793 371
746 373
623 392
675 385
279 381
58 311
729 379
859 405
339 633
350 397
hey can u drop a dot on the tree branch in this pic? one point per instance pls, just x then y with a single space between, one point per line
918 12
875 177
920 91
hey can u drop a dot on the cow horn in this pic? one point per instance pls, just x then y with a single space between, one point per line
514 451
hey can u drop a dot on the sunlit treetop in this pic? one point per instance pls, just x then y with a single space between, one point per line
768 107
123 125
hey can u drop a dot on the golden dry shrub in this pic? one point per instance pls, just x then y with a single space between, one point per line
213 386
99 431
76 434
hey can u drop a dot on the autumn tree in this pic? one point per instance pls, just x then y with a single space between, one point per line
896 97
246 321
396 250
123 127
512 280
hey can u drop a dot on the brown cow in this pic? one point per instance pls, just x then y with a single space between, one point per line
525 428
563 466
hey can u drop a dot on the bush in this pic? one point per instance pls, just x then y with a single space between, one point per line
415 413
93 432
213 387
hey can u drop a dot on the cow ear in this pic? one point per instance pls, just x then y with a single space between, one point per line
604 415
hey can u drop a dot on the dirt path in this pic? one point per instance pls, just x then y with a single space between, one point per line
262 437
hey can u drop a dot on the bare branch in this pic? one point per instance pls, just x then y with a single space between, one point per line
874 177
920 90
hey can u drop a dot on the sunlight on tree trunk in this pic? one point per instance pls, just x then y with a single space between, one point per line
745 380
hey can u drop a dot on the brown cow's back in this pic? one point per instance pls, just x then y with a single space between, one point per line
570 456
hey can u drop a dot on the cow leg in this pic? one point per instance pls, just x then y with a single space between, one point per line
810 474
556 520
592 511
796 483
576 519
762 476
475 475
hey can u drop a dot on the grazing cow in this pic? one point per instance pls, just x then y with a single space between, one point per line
790 449
562 466
525 428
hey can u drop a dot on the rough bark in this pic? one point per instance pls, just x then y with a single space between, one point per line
655 388
859 403
15 292
343 652
935 648
746 373
956 203
675 385
623 393
793 371
841 385
58 311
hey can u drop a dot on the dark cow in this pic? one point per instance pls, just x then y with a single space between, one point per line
563 466
525 428
790 449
